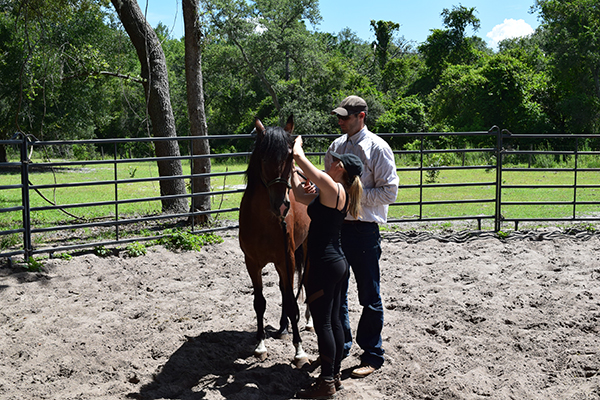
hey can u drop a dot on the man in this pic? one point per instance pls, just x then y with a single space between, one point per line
361 241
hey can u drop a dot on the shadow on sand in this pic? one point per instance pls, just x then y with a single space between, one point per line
223 362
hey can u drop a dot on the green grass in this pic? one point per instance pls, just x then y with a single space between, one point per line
487 192
99 173
100 193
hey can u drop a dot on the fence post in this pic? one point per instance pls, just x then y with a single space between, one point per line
192 208
27 246
116 176
421 178
498 213
576 166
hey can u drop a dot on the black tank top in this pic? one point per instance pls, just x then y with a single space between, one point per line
324 243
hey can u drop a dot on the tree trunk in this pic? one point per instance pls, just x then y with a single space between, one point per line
195 103
158 101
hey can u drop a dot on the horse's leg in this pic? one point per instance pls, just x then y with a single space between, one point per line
260 304
310 326
291 307
298 264
283 321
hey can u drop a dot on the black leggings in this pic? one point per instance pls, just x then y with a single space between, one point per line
325 297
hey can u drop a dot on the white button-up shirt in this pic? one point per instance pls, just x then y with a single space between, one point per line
379 176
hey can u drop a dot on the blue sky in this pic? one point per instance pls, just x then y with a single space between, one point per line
499 19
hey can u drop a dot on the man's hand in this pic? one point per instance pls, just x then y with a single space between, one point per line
309 187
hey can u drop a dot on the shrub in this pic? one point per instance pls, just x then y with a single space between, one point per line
135 249
102 251
182 240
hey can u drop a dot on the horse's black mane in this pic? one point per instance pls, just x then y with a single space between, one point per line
273 146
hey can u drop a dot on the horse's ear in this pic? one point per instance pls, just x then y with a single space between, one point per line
289 126
260 129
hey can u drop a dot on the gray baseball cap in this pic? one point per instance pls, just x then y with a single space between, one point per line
351 105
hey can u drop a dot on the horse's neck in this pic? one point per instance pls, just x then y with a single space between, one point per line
256 188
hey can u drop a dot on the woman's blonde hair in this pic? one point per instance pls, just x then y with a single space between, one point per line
354 191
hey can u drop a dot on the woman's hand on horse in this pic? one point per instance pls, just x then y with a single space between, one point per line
298 151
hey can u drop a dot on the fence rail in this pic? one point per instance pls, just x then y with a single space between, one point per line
417 177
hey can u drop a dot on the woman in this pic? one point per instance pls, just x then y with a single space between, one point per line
340 190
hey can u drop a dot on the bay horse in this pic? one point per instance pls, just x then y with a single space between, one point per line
272 227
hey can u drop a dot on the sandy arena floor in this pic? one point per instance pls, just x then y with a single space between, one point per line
468 316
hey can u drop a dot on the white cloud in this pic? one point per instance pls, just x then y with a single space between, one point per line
510 28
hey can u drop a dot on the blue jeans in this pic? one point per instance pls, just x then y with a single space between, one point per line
361 243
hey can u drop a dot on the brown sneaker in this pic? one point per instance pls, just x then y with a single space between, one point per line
363 371
320 389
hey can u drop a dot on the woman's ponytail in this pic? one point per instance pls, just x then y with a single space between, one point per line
355 192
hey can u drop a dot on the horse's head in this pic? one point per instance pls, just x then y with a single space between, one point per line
274 150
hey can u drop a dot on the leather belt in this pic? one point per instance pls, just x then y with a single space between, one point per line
350 222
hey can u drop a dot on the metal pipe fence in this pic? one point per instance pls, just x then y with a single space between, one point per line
432 177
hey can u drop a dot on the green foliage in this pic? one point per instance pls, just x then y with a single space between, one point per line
84 152
405 114
132 170
503 234
135 249
261 58
435 161
8 241
589 228
182 240
63 256
432 175
384 32
102 251
572 39
62 52
402 73
269 41
34 265
451 46
501 91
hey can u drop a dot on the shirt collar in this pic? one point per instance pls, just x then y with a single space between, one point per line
357 137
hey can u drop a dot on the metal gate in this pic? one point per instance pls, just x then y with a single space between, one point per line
494 207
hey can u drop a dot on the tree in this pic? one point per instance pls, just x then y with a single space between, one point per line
450 46
403 114
270 35
573 41
503 91
195 101
384 32
10 66
156 88
54 60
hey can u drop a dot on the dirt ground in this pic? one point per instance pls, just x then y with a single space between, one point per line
467 316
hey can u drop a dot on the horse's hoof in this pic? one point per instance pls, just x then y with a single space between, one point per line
309 328
260 351
301 362
261 356
282 334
